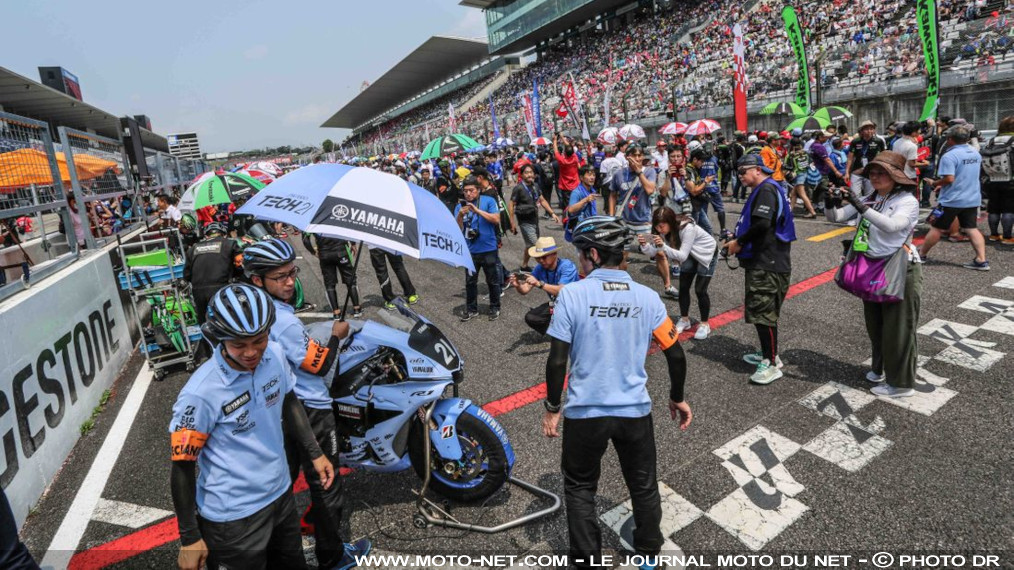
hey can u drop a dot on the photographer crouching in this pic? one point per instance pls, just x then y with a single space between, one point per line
550 275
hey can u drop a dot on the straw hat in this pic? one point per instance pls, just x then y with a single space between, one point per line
543 247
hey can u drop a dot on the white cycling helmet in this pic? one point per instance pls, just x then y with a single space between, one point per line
694 145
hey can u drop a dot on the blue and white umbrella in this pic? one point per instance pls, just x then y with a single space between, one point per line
503 142
361 204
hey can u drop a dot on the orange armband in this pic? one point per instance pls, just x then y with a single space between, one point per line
665 335
187 444
316 355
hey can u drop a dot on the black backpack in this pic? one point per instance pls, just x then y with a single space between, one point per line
998 161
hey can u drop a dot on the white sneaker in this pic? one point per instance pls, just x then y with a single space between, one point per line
765 373
888 391
755 358
682 325
671 292
703 330
872 376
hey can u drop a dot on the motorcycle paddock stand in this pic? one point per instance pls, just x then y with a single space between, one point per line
432 514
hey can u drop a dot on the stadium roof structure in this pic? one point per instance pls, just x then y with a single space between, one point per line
23 96
536 21
437 59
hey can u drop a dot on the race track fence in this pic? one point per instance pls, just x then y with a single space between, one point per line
29 169
100 177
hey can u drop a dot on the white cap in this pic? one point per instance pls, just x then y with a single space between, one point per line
694 145
751 138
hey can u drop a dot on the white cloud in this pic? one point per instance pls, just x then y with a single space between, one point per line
256 52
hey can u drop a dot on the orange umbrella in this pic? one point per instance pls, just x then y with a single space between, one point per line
26 166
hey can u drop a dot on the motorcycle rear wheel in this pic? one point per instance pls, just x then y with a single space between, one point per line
481 471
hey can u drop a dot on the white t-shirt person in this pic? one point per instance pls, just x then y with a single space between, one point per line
906 147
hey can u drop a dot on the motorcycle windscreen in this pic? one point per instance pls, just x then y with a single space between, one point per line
428 340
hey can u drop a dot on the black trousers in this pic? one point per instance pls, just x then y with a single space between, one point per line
489 262
379 259
584 444
202 296
269 538
330 269
539 317
327 504
13 553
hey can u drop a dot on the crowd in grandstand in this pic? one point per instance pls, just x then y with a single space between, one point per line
684 52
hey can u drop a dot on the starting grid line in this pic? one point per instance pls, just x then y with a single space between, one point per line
764 503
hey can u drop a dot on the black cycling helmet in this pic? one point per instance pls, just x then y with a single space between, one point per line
216 228
604 233
236 312
266 255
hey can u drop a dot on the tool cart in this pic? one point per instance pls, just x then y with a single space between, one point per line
153 274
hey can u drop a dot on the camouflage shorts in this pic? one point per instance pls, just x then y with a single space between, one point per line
765 293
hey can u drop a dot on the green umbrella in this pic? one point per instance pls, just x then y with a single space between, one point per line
809 123
783 108
211 189
832 114
448 144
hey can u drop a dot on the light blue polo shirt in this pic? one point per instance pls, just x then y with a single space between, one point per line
637 209
289 332
608 319
963 162
486 241
232 422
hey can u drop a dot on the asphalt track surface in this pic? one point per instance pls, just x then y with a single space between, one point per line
859 476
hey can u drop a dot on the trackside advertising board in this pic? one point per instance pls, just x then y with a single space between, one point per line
62 344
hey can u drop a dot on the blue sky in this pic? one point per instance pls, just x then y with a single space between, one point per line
241 74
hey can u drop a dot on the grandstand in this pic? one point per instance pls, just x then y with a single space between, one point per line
648 57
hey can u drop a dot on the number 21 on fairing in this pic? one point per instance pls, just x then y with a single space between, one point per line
445 351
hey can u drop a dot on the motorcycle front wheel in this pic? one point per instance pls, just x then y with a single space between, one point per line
480 472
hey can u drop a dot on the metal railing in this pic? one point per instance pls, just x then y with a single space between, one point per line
33 205
103 188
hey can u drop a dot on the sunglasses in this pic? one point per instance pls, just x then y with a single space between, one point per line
743 171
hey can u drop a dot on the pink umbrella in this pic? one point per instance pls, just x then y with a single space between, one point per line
260 175
703 127
540 141
265 166
631 132
609 135
676 128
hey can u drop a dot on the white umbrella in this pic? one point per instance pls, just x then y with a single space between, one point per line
609 135
703 127
631 132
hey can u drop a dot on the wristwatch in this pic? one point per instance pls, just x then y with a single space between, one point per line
541 284
551 408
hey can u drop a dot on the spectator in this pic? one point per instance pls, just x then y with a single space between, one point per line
796 164
478 217
1000 182
960 196
631 192
862 151
550 275
888 218
908 147
524 209
568 163
763 244
679 242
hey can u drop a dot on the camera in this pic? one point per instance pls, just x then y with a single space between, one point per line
471 233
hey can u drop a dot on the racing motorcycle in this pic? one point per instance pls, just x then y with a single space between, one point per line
391 399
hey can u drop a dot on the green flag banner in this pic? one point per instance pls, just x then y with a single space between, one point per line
803 73
926 17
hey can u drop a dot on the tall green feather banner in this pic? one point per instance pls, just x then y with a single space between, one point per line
802 71
926 17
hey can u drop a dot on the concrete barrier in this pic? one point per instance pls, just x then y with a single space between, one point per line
62 344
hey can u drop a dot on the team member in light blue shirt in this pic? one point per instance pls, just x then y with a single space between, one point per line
271 265
604 324
227 423
960 196
631 191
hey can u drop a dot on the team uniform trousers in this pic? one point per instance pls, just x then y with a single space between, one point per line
330 268
379 259
326 504
584 443
269 538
